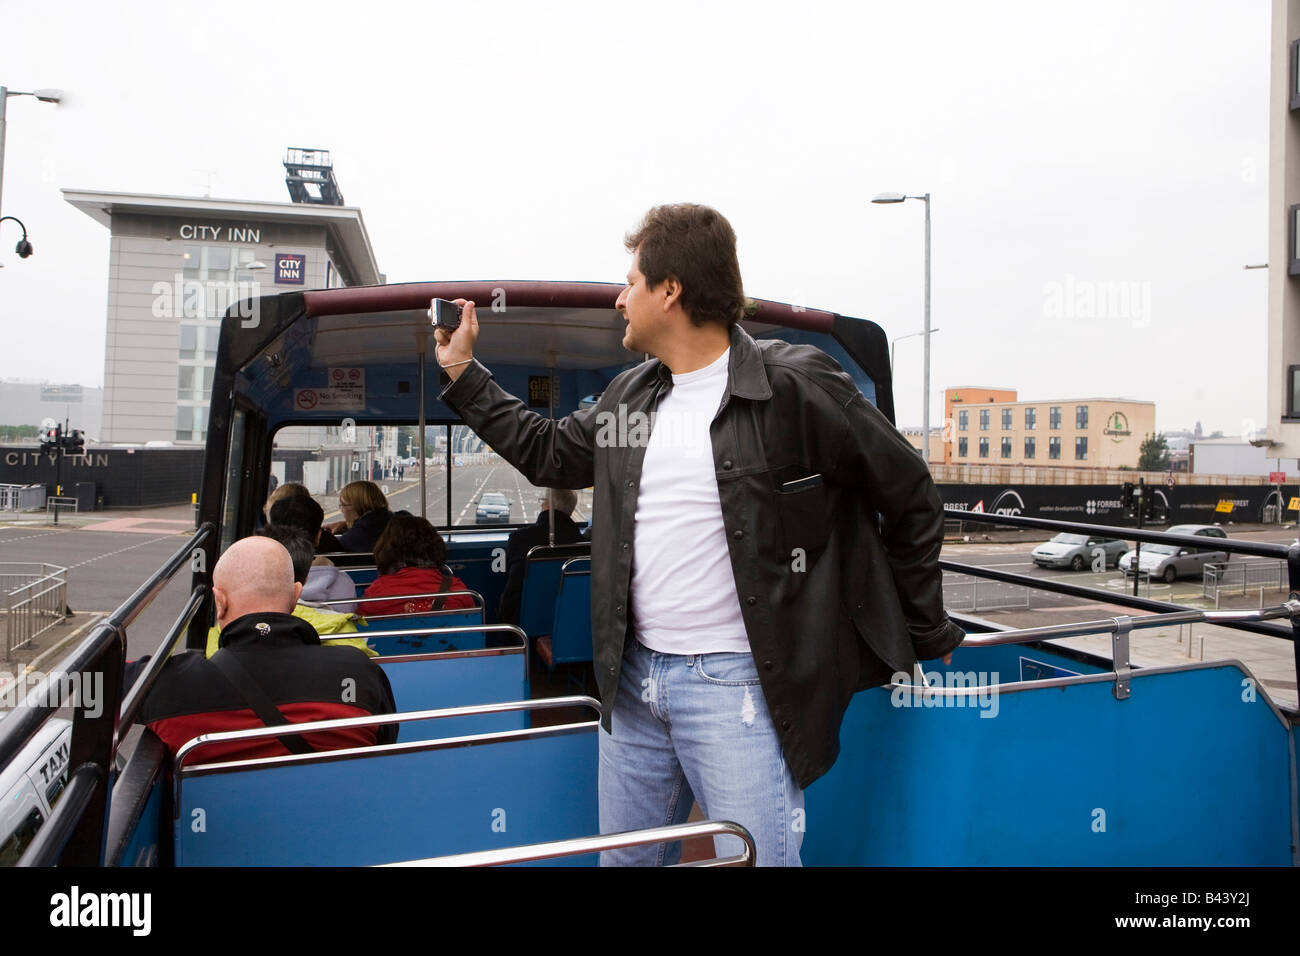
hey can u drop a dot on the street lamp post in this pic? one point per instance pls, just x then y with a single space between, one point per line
45 96
894 341
886 199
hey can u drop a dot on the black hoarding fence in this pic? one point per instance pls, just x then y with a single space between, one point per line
1103 504
123 477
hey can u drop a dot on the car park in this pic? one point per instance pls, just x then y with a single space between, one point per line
1172 561
493 508
1078 551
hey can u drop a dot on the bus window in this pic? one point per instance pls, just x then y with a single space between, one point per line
466 484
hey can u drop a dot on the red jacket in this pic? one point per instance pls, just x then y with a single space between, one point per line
412 581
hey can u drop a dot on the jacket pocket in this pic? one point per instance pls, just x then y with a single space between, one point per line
804 523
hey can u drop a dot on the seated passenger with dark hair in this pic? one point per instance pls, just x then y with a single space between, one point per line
270 665
324 581
325 542
411 557
560 500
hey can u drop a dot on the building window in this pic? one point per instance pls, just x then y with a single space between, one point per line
984 447
1081 448
1295 74
1054 447
1294 267
1031 419
1080 416
1029 447
1006 447
1293 391
961 448
963 419
1006 419
984 419
191 423
1054 417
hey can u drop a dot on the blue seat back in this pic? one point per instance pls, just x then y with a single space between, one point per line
458 679
571 629
407 622
1183 772
542 585
478 560
411 801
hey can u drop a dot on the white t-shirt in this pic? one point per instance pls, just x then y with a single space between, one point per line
683 589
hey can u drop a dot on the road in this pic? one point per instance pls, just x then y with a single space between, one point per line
1013 558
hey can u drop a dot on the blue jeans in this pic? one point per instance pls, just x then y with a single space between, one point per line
695 728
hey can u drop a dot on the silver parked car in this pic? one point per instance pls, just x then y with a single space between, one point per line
1077 551
1172 561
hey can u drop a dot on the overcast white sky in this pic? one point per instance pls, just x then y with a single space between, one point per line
1066 146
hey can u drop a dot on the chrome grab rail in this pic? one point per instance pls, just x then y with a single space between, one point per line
593 844
402 597
377 720
136 693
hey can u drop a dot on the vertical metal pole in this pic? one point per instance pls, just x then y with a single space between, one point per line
448 470
550 397
422 344
1293 580
1137 552
925 436
4 98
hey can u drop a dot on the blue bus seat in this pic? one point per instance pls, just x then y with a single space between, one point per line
458 679
541 585
477 559
1182 772
366 806
570 639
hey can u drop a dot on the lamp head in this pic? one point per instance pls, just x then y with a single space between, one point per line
24 248
48 96
889 198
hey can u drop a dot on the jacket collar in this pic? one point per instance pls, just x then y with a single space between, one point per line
746 376
267 629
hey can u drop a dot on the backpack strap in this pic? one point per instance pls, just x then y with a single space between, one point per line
234 671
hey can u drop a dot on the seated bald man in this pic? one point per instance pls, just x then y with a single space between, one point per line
270 669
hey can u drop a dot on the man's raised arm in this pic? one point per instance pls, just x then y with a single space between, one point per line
556 454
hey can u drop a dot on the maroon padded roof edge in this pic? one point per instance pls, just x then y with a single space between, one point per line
570 295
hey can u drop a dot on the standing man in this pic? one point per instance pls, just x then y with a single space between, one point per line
771 549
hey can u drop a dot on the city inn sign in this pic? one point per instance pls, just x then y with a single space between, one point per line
221 231
85 460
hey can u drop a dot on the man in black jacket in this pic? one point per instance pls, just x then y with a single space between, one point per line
765 543
271 668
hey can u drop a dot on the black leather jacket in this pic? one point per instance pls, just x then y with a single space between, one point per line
839 581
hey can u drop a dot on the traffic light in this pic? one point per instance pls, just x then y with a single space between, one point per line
74 443
1126 497
49 439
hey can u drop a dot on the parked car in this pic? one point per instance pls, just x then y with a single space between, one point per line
1077 551
1173 561
493 508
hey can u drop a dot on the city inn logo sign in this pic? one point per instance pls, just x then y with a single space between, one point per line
1117 427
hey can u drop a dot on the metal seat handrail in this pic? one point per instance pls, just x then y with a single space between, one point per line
611 841
1114 624
377 720
374 598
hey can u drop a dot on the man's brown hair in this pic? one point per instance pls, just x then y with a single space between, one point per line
696 246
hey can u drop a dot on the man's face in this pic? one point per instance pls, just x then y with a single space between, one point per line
643 309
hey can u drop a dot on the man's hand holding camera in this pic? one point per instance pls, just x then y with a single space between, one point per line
455 347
